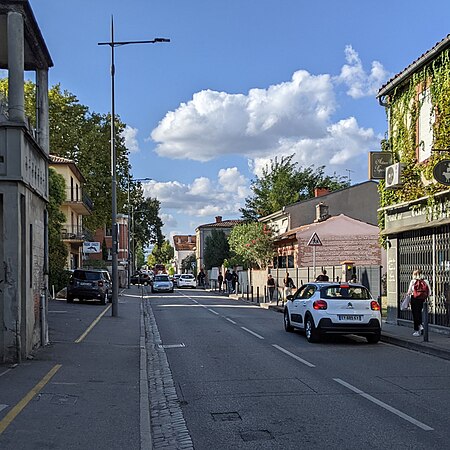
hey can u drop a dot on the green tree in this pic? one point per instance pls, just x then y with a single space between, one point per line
189 264
253 243
163 254
283 183
216 250
57 249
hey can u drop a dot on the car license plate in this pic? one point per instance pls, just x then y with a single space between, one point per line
84 283
352 318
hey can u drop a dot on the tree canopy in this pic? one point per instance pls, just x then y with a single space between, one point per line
252 242
283 183
216 249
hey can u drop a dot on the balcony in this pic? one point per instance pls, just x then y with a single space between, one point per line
80 203
74 233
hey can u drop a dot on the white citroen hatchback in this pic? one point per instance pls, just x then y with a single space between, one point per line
333 308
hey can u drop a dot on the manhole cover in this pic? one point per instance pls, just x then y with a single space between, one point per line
226 416
257 435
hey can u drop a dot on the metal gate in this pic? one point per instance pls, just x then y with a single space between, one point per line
429 250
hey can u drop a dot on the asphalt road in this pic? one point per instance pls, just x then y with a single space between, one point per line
243 382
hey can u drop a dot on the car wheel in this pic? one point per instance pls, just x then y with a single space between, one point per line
69 299
287 323
153 291
171 291
373 338
312 335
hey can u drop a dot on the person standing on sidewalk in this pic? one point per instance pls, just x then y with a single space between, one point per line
270 286
220 281
419 290
288 285
228 281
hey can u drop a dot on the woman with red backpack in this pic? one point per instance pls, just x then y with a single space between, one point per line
419 290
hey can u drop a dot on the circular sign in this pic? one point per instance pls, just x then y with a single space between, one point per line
441 172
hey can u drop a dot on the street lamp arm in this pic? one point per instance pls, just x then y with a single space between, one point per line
119 43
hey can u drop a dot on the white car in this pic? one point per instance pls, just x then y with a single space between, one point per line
333 308
187 280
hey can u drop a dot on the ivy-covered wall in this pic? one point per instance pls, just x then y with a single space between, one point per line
403 107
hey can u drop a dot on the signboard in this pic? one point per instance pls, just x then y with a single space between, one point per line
314 241
441 172
378 161
91 247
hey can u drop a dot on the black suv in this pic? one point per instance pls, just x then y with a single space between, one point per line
89 284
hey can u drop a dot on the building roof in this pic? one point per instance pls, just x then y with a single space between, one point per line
59 160
420 62
222 224
184 242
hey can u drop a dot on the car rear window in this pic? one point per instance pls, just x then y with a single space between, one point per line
162 278
187 277
86 275
346 292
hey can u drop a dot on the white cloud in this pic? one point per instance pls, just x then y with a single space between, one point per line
359 82
131 143
203 197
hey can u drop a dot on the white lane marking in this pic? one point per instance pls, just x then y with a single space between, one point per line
5 372
252 332
384 405
195 301
287 352
214 312
230 320
2 407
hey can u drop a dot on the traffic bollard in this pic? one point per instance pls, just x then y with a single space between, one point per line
425 321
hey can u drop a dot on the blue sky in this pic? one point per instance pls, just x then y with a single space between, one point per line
241 81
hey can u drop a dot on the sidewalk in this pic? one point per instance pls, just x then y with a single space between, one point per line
438 343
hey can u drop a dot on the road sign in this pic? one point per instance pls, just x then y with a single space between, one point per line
441 172
314 241
91 247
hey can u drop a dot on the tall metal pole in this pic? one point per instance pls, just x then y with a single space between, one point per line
129 235
115 274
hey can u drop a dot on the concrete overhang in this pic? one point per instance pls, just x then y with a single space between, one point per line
36 55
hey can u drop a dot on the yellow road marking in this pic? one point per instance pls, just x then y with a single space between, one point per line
5 422
92 325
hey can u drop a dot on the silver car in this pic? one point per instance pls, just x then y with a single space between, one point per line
162 283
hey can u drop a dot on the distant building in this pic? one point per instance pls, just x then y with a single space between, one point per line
184 246
76 205
203 231
24 156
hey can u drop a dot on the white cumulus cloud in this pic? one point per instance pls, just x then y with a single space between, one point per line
131 143
358 81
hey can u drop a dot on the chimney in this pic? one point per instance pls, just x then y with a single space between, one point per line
189 239
321 212
218 219
319 191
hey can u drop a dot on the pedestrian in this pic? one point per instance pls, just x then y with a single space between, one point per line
288 285
270 286
323 276
220 281
201 278
353 279
234 280
228 281
419 290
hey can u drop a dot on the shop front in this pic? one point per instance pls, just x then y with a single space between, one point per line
418 236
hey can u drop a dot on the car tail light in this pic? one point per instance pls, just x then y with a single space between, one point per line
374 305
100 283
320 304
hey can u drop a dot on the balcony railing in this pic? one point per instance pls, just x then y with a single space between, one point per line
79 201
75 233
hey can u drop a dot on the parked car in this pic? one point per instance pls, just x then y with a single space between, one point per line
87 284
140 278
161 283
333 308
187 280
175 279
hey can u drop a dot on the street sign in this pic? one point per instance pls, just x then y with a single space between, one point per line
314 241
378 161
91 247
441 172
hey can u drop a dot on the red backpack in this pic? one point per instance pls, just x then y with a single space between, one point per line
420 290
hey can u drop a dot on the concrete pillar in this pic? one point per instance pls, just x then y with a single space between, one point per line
16 52
42 109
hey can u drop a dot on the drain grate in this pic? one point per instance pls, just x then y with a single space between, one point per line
226 416
256 435
171 345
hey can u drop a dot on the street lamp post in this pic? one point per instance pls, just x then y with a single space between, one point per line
115 277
